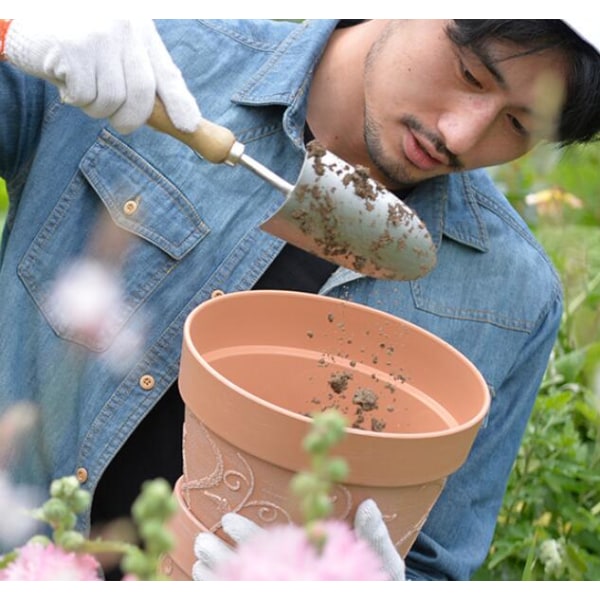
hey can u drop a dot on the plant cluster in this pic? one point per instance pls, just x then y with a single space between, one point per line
549 525
69 555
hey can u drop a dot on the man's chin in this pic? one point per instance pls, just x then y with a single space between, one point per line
401 179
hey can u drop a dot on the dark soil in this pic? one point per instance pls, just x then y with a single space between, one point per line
364 398
338 382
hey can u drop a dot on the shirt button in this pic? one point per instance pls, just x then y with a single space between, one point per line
81 474
217 293
147 382
131 205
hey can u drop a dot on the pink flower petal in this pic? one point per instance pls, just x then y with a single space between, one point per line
36 562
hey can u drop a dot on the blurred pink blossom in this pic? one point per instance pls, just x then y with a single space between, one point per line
38 562
284 553
86 299
16 524
87 302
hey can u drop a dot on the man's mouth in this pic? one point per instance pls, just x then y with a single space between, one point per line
421 154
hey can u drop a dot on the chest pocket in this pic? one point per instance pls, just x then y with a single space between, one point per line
117 211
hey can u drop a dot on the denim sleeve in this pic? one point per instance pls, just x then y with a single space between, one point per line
456 537
22 105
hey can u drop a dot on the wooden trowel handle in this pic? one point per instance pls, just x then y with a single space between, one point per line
213 142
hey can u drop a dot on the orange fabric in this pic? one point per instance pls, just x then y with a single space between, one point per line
4 25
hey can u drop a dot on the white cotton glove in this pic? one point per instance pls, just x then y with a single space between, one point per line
370 526
110 69
210 550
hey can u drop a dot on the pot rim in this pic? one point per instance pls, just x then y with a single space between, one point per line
266 405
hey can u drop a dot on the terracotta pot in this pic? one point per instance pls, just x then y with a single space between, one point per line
256 364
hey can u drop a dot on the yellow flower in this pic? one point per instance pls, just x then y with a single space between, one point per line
551 202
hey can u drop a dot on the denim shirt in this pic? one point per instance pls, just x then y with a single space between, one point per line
493 294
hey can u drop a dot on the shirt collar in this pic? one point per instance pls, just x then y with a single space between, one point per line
448 206
285 77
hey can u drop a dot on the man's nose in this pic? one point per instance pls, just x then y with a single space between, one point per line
466 125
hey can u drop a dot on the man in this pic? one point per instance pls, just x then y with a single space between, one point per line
422 104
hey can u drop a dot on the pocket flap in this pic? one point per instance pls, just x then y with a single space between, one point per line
140 199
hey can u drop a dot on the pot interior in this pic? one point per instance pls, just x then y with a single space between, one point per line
305 353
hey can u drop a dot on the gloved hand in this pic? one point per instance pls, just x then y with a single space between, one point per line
110 69
211 550
368 524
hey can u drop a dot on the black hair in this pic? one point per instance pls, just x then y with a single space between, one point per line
580 117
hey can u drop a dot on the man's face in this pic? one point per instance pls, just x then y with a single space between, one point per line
432 108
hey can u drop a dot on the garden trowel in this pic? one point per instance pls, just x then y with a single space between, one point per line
334 210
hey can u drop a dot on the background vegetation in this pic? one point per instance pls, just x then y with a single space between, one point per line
549 527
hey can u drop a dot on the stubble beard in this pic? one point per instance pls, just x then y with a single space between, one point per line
396 174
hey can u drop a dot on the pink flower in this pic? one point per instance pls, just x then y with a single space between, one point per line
16 525
86 299
87 302
284 553
38 562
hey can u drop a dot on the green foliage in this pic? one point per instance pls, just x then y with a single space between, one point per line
549 525
313 487
152 509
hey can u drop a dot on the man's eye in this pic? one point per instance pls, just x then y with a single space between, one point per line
470 78
517 125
